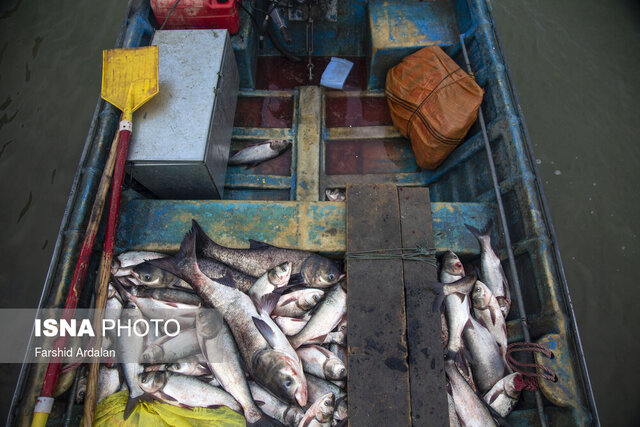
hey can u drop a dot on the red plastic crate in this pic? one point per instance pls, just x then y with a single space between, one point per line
198 14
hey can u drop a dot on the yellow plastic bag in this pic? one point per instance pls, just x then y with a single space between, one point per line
155 414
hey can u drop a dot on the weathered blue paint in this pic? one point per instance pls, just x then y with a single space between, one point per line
318 226
245 48
237 179
399 28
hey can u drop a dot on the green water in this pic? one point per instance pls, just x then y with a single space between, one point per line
576 66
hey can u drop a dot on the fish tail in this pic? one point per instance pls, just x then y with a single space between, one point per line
485 232
203 242
183 261
265 421
132 404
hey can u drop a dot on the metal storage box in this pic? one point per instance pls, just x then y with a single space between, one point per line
181 138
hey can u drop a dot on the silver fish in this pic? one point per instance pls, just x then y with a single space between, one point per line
291 325
320 362
315 270
337 337
223 359
340 351
320 414
184 391
273 279
258 153
109 382
319 387
487 310
264 348
149 275
487 363
158 309
470 409
491 271
123 263
192 366
335 194
130 347
327 316
287 414
504 395
456 300
172 348
298 303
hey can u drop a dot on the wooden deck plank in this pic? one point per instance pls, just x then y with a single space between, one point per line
378 381
159 225
426 365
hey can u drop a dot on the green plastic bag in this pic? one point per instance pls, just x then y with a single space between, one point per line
110 412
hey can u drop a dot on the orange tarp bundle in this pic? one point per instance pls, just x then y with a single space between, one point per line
433 102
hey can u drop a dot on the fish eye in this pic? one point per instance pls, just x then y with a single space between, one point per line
332 276
288 382
147 276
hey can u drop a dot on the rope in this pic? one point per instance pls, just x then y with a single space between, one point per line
169 15
420 253
516 366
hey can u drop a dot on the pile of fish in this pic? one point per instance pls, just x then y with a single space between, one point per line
481 387
262 331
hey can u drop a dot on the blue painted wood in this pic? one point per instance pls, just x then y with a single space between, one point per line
399 28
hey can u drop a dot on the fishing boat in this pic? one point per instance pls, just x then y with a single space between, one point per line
343 138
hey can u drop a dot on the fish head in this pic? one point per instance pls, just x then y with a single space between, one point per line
452 264
280 374
151 382
509 384
481 295
334 369
209 322
279 145
152 354
340 409
323 408
310 298
150 275
335 195
320 272
280 274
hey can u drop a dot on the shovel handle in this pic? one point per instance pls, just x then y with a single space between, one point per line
105 267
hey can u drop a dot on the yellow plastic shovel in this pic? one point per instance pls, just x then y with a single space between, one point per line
129 79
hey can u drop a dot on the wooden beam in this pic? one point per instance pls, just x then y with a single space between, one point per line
378 380
308 143
159 225
426 364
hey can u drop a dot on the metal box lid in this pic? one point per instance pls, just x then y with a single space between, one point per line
174 126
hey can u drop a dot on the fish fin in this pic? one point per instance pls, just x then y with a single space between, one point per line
226 280
288 300
132 404
265 330
296 279
449 390
255 244
479 234
460 295
481 321
259 402
122 291
438 289
493 317
307 421
493 398
496 416
268 302
166 398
